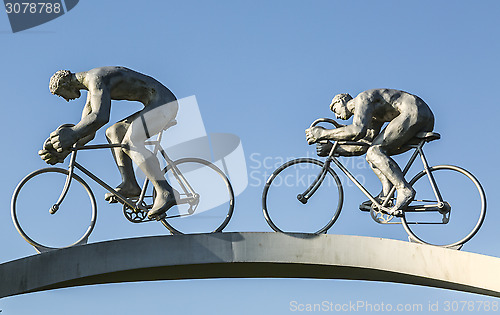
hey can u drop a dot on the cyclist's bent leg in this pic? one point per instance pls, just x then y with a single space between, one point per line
149 122
386 188
390 142
115 135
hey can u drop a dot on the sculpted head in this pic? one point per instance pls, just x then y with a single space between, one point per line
339 106
62 84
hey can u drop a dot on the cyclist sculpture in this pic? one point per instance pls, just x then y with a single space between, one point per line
117 83
406 115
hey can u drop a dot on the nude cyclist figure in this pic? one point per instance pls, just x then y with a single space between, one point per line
406 115
117 83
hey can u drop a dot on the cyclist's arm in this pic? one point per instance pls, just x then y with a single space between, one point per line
86 111
357 130
96 111
338 125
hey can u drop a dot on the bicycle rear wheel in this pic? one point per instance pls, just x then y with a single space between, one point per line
462 216
70 225
283 210
214 207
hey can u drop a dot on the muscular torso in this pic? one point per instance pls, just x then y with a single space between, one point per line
375 107
125 84
386 104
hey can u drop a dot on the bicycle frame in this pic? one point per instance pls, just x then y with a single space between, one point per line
440 206
191 196
383 206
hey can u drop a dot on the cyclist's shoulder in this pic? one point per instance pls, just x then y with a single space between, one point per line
381 94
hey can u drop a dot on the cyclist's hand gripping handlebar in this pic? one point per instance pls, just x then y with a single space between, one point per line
323 147
312 134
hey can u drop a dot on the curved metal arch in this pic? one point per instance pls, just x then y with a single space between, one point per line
252 255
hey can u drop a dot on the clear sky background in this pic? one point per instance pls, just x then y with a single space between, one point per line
263 70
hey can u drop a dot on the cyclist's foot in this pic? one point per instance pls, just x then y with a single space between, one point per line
124 190
162 203
403 199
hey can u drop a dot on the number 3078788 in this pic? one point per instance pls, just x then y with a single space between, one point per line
470 306
33 8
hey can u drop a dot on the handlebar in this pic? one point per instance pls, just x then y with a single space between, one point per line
337 125
328 120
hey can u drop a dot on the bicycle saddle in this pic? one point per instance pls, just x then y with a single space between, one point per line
428 136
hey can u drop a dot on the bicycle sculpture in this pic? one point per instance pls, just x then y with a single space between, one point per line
201 190
206 203
447 206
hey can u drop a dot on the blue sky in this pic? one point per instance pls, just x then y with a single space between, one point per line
263 70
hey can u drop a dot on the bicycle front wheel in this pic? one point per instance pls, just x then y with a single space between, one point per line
70 225
283 210
212 206
463 212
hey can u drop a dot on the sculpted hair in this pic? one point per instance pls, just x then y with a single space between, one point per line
59 78
343 97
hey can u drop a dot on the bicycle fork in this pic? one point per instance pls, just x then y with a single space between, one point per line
304 197
67 184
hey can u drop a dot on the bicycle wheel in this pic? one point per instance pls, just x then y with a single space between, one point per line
214 207
70 225
283 210
462 216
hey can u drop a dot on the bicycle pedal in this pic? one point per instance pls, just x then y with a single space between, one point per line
365 207
397 213
110 198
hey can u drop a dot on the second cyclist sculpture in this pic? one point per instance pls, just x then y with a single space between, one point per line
450 191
